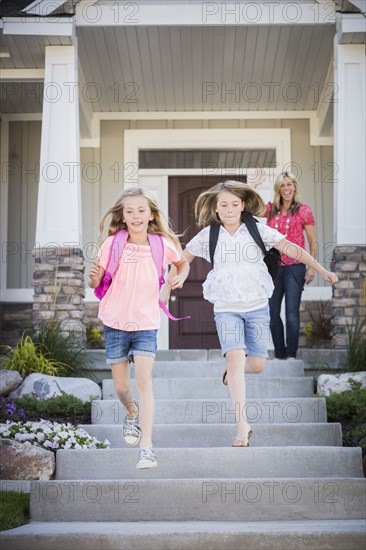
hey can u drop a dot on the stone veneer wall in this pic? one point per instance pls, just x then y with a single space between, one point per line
349 294
15 318
59 292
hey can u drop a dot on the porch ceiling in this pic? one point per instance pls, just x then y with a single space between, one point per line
203 68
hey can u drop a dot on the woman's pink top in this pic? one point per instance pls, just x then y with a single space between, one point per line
132 300
292 227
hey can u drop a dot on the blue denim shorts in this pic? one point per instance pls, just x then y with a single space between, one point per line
120 345
248 330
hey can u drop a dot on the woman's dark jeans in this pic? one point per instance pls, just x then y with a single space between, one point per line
289 282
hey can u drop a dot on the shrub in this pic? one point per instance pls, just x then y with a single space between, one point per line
51 351
348 405
61 407
63 347
355 437
349 408
356 349
26 358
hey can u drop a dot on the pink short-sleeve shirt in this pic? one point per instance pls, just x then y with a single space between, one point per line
132 300
292 227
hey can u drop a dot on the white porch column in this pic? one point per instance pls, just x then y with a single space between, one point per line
58 276
59 196
350 144
349 257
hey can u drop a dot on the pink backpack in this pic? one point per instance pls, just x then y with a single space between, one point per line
117 246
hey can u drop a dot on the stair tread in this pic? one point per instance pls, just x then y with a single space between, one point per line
171 527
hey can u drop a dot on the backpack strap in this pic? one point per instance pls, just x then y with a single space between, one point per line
214 236
252 227
157 252
115 253
116 249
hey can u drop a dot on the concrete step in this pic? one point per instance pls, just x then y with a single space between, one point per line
222 499
216 435
213 388
269 462
206 411
98 355
194 535
213 369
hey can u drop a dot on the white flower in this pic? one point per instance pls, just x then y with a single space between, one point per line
51 435
20 437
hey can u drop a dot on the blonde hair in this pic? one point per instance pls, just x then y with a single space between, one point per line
277 199
206 203
158 225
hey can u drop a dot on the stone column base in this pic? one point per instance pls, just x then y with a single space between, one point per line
59 288
349 294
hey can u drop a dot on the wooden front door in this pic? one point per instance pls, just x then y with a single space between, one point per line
199 332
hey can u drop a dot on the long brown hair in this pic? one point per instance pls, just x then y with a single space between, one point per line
158 225
277 199
206 203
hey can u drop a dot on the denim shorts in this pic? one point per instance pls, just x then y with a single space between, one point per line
248 330
120 345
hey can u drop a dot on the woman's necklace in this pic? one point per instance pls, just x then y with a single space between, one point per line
279 217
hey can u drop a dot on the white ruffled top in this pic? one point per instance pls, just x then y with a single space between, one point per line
239 280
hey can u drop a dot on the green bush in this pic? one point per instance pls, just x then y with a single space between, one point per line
26 357
355 437
50 351
349 405
356 349
14 510
63 347
63 407
349 408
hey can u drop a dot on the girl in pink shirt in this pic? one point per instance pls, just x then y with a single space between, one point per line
130 308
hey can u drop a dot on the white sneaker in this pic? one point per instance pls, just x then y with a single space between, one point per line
131 431
147 458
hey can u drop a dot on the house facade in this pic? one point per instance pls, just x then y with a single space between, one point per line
175 96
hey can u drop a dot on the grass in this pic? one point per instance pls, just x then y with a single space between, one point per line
14 510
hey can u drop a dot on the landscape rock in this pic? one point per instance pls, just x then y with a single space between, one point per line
24 462
338 383
9 380
47 386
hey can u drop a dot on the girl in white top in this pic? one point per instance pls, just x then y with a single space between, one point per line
239 285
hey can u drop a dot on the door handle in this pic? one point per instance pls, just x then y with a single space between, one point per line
173 298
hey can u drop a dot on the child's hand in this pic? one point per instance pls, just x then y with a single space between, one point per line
309 276
95 274
176 281
329 277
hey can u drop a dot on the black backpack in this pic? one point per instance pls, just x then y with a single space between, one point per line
271 258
